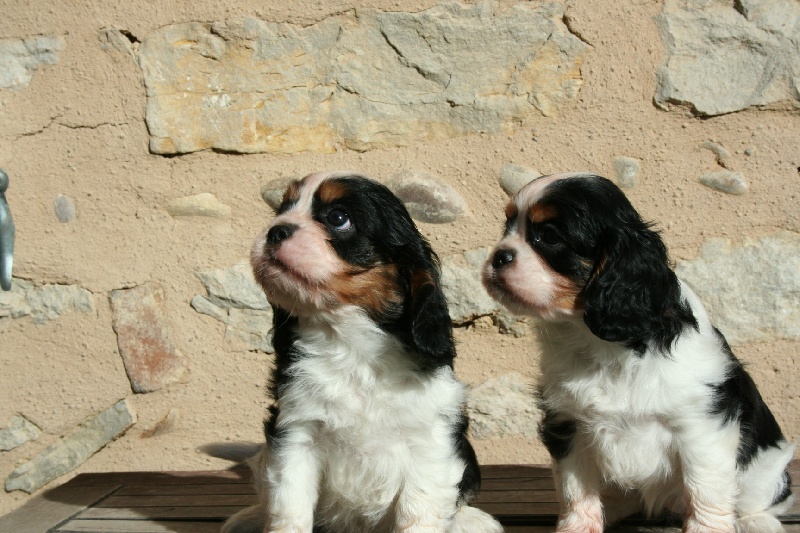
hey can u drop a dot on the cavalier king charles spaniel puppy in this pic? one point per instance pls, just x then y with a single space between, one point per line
645 407
368 431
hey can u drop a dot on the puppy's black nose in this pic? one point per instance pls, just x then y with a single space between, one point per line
503 258
278 234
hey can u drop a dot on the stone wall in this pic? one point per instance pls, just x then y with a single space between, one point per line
146 142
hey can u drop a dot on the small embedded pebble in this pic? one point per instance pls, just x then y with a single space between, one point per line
514 177
199 205
64 208
427 198
272 192
720 152
725 181
627 169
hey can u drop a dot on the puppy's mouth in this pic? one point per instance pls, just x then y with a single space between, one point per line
499 290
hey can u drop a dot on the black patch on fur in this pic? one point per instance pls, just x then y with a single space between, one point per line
787 489
470 483
738 399
286 352
383 232
597 238
557 435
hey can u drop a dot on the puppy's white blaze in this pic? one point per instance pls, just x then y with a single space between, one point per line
310 185
533 191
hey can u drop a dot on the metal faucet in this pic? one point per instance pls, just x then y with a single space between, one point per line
6 236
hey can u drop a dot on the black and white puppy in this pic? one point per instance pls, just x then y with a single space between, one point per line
368 430
645 407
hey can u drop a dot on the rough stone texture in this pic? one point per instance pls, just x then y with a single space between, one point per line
234 298
752 291
64 208
725 181
503 406
627 170
145 339
510 324
43 303
427 198
20 58
364 81
73 450
723 57
19 431
514 177
204 204
461 282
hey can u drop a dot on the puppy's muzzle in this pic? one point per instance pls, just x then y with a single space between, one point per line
278 234
503 258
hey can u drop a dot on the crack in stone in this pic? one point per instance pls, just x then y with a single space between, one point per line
405 61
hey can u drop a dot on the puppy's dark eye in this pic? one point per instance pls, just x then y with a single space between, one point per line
549 236
338 219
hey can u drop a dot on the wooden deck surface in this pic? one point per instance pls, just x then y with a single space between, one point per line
521 496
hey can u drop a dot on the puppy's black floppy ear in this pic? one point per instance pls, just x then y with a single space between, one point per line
633 297
431 328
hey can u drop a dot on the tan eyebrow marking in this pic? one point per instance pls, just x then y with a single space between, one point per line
540 212
511 210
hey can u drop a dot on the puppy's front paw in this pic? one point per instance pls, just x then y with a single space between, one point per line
473 520
290 526
577 523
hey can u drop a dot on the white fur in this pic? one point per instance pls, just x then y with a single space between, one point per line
645 429
368 442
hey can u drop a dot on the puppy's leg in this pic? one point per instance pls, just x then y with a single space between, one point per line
429 498
708 463
578 487
765 490
472 520
250 520
253 519
292 474
426 508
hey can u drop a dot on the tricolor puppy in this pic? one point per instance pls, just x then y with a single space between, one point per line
646 409
368 429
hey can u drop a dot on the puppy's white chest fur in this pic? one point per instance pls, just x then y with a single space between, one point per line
629 409
623 412
378 422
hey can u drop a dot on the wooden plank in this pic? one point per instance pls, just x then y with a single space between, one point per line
136 526
125 502
538 509
237 475
518 496
517 483
214 512
53 507
515 471
189 489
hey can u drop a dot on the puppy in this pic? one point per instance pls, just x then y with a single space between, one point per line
645 407
368 431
